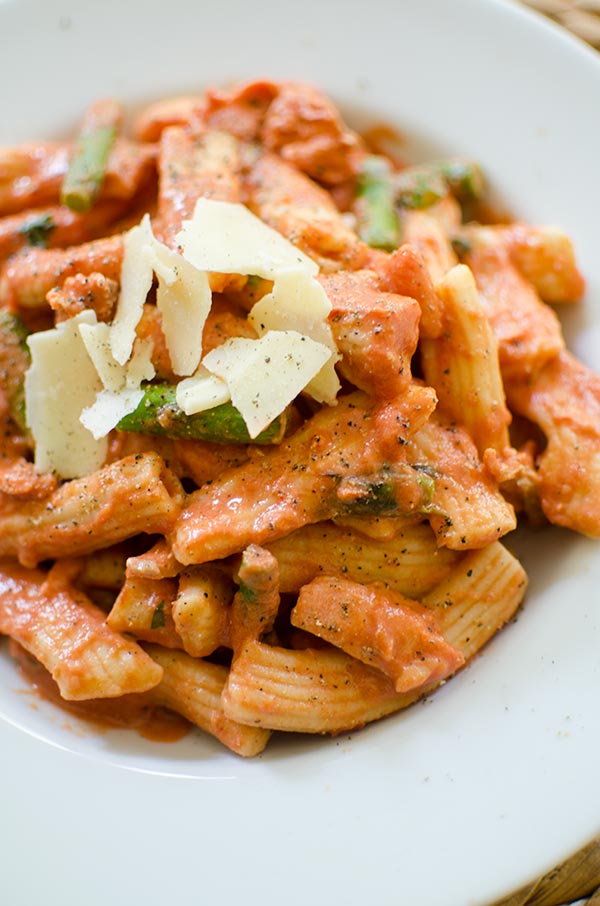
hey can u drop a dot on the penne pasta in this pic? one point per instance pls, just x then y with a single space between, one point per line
462 364
193 166
135 494
326 691
193 688
63 630
301 210
309 691
479 596
410 563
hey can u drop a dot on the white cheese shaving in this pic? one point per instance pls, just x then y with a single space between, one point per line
201 391
183 299
136 280
60 382
299 302
96 339
140 367
265 375
122 391
227 238
108 409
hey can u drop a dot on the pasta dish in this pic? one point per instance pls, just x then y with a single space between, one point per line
272 398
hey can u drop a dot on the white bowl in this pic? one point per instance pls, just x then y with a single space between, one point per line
460 799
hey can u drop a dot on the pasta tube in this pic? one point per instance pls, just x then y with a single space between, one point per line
462 364
479 596
193 688
193 166
63 630
411 563
132 495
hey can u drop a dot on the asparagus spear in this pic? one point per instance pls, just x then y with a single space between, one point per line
14 362
87 168
421 186
159 414
377 220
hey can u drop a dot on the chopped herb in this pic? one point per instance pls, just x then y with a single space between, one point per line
37 230
158 617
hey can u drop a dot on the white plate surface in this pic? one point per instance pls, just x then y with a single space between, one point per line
463 797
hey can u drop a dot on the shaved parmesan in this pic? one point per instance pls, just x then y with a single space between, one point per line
122 391
299 302
59 384
200 392
108 409
325 385
96 339
136 280
140 367
227 238
117 377
265 375
184 299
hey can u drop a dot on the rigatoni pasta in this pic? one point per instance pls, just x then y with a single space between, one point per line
278 500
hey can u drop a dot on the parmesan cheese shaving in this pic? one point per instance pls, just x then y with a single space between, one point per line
227 238
122 391
299 302
136 280
265 375
96 339
108 409
140 367
60 382
184 299
201 391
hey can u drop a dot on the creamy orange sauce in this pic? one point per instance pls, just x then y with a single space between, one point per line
131 712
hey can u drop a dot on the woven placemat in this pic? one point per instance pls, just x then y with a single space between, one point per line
582 17
577 880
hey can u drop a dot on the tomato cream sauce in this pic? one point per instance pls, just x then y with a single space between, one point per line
133 712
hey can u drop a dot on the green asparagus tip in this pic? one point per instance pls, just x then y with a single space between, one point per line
83 180
375 209
423 185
